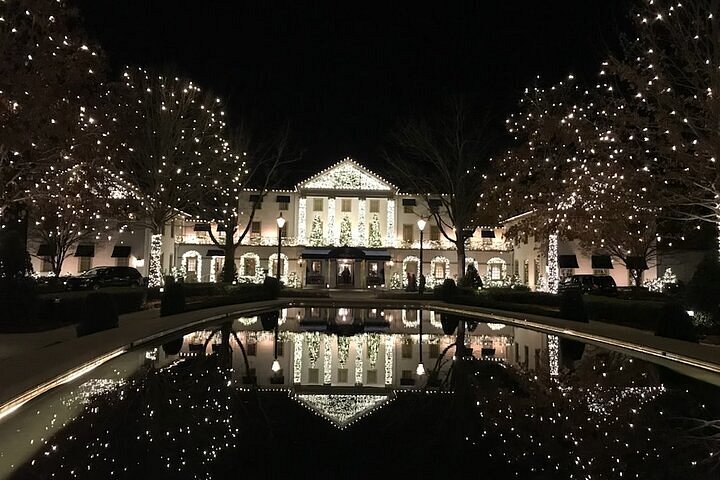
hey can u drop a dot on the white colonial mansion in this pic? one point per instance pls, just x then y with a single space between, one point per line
345 226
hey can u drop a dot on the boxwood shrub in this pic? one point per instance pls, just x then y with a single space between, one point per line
99 313
173 299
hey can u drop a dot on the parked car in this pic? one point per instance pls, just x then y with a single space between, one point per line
99 277
587 283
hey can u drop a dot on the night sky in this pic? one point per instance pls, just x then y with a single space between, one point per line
344 73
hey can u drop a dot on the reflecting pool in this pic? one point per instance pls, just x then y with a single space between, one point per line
339 392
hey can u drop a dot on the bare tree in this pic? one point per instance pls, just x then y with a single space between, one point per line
169 137
443 160
255 169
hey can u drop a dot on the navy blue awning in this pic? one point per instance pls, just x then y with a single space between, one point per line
45 251
85 251
380 255
315 253
567 261
602 262
121 251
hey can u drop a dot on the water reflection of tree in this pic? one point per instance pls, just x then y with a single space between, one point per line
609 415
189 420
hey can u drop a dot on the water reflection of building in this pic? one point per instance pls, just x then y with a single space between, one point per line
369 347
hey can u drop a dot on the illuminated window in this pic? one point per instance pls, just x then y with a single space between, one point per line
346 205
249 265
191 264
255 228
439 270
374 206
84 263
434 233
496 268
408 231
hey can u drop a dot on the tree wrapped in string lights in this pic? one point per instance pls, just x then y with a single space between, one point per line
75 212
169 136
374 238
317 238
585 173
346 234
246 168
670 71
51 85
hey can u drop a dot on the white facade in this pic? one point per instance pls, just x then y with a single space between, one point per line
382 225
345 204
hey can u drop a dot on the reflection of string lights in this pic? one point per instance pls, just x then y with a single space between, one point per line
342 410
298 342
553 343
327 360
389 348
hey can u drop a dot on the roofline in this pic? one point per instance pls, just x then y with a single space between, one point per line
517 217
298 186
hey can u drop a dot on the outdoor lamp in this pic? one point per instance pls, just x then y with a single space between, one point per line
276 365
280 224
421 287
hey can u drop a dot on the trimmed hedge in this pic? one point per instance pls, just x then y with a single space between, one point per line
642 314
674 322
511 295
448 291
99 313
66 307
176 299
572 306
173 299
667 319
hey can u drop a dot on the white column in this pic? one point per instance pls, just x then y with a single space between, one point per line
359 344
360 240
390 242
327 360
302 221
552 266
298 341
553 343
389 358
331 235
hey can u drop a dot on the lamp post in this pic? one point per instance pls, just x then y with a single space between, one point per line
276 364
420 370
421 279
280 224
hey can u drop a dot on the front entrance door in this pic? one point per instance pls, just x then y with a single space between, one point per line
345 273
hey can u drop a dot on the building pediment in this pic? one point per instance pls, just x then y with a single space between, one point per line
347 175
